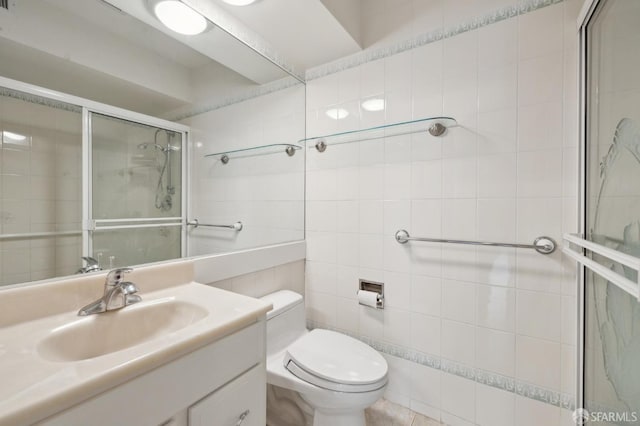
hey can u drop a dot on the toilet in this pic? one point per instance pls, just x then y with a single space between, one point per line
337 375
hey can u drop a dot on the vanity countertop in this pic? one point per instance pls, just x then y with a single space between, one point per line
35 386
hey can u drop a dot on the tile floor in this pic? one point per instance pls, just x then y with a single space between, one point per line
385 413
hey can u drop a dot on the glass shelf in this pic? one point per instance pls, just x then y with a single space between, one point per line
436 126
289 149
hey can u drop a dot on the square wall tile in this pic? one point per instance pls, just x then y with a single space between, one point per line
496 307
540 173
497 175
348 250
458 342
371 251
498 44
397 215
498 87
494 407
321 308
532 40
538 315
496 351
397 290
347 281
538 361
540 79
459 301
496 220
425 385
372 78
395 326
347 313
459 396
400 378
426 179
425 333
426 295
497 131
371 217
535 413
540 126
459 177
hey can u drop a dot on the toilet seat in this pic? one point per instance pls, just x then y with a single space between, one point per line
336 362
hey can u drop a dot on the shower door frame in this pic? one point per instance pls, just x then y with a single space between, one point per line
89 106
88 223
584 18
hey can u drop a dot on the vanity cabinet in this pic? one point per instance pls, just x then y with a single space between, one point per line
212 386
240 402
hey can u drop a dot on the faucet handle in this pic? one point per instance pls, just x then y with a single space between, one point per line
128 288
116 276
91 262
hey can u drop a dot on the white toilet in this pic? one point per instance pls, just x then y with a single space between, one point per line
335 374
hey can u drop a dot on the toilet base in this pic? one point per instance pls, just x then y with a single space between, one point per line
352 418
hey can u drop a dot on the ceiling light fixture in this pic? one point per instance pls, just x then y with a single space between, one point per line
13 136
239 2
179 17
337 113
374 104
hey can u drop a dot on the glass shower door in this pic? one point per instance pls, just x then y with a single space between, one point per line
136 205
612 315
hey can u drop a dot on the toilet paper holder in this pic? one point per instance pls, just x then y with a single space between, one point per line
376 287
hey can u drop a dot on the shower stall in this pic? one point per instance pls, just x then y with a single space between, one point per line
85 186
135 213
609 247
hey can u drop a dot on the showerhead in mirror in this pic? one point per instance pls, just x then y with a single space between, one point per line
164 190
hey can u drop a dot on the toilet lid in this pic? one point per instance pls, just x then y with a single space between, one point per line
325 358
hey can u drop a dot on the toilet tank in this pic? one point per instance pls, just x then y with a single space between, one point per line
286 322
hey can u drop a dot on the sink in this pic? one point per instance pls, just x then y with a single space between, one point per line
101 334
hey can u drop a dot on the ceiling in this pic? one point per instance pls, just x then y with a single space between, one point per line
305 32
115 52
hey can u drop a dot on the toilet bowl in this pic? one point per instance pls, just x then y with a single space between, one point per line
335 374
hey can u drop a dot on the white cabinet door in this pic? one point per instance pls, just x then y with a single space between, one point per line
241 402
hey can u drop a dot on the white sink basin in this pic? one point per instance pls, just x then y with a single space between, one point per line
113 331
52 359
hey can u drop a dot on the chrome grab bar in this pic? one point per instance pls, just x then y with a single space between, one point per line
27 235
236 226
543 245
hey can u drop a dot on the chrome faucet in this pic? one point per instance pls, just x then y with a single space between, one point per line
91 266
117 294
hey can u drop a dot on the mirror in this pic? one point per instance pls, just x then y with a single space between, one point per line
217 144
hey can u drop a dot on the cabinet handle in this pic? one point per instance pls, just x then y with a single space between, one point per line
242 417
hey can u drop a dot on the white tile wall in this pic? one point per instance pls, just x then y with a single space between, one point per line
504 174
264 190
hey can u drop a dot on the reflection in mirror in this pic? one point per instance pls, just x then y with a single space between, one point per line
221 95
40 196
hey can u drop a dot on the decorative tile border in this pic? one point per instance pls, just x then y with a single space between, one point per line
34 99
360 58
484 377
241 96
